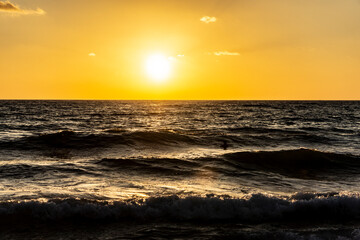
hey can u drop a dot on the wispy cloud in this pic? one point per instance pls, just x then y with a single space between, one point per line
226 53
6 6
207 19
176 57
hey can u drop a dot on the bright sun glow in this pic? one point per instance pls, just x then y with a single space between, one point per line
158 67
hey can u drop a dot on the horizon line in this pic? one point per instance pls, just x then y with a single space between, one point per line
81 99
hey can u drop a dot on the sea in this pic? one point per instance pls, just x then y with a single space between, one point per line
179 169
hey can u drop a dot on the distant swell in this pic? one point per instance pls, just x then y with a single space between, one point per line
236 137
78 140
23 171
161 166
307 208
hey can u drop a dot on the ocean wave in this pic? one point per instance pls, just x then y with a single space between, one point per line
302 131
162 166
299 163
261 130
255 209
23 171
78 140
296 163
264 135
236 136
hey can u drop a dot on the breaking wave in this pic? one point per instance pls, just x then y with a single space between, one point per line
258 208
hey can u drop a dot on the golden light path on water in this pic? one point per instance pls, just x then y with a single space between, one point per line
138 150
116 186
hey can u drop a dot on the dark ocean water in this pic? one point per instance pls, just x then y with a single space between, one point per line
179 169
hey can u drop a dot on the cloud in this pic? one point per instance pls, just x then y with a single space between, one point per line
207 19
176 58
92 54
226 53
6 6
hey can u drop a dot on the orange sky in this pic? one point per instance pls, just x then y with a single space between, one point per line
217 49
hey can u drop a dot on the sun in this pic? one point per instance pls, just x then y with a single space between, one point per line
158 67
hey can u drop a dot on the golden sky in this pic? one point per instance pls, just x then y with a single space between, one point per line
215 49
